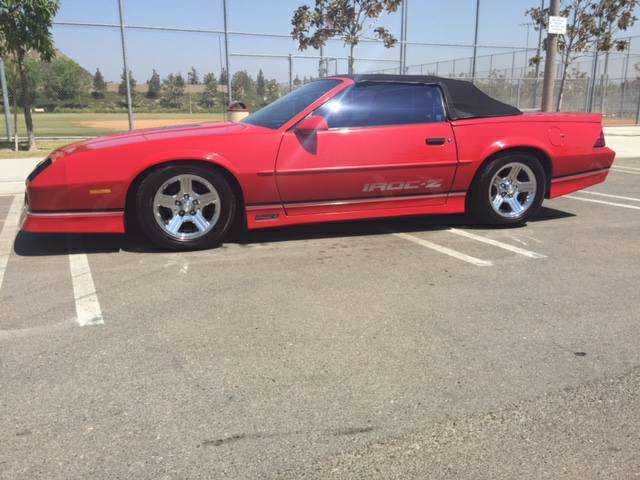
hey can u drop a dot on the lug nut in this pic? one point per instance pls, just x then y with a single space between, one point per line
178 203
192 212
181 213
195 202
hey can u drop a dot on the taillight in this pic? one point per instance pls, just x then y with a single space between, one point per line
39 169
600 141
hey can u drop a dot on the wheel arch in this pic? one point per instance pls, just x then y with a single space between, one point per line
130 204
542 156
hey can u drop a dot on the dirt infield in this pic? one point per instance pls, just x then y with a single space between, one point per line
123 124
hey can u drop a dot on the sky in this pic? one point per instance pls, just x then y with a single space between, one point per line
433 21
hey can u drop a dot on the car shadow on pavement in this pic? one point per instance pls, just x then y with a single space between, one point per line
32 245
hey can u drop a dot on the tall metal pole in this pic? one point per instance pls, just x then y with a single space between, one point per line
475 42
125 61
403 38
550 65
538 51
625 74
290 73
592 90
5 100
320 74
226 50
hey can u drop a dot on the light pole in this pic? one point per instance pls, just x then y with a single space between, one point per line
550 62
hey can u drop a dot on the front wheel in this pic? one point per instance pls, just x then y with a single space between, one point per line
185 207
508 191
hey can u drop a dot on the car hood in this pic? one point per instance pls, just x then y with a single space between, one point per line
154 134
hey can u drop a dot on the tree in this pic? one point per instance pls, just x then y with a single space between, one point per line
173 90
64 79
25 25
272 91
192 76
99 85
122 88
345 19
224 76
243 87
153 86
260 86
591 26
210 93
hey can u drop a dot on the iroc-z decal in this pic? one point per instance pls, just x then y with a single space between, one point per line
398 186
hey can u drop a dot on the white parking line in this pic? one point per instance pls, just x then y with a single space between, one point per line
496 243
627 167
632 199
592 200
84 291
447 251
8 234
625 171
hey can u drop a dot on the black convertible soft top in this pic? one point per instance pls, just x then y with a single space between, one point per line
463 98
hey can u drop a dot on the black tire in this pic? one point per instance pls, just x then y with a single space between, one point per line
478 200
146 213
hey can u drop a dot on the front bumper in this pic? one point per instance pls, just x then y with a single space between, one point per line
72 222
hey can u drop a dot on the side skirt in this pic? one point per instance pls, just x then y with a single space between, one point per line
276 215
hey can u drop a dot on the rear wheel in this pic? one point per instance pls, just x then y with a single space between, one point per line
508 191
185 207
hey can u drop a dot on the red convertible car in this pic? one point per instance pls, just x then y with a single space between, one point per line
341 148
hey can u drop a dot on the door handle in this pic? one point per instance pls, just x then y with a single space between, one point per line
435 141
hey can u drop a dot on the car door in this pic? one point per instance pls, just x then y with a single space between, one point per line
385 142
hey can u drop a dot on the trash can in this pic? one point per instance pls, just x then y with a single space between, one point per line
237 111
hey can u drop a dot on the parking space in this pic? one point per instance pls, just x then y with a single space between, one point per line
324 349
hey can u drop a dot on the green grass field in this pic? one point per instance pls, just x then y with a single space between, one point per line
92 125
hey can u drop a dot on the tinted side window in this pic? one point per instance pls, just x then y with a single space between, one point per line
375 104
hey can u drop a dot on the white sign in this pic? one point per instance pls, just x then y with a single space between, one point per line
557 25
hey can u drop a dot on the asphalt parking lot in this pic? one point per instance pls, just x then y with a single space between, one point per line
412 348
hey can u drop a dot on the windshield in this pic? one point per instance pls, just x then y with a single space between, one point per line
285 108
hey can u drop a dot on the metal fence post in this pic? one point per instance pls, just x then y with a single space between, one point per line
604 83
125 61
513 66
5 100
290 73
475 43
638 110
625 72
226 50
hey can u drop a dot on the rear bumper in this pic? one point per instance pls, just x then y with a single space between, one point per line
572 183
72 222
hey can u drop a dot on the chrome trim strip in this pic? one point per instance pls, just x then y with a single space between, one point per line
579 175
88 213
363 200
251 208
359 168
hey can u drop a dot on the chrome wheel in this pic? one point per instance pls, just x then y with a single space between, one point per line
513 190
186 207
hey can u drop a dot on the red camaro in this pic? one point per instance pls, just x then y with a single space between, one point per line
340 148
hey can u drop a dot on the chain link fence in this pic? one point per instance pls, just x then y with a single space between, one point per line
178 73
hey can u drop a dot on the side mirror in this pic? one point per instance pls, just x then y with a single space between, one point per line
312 124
